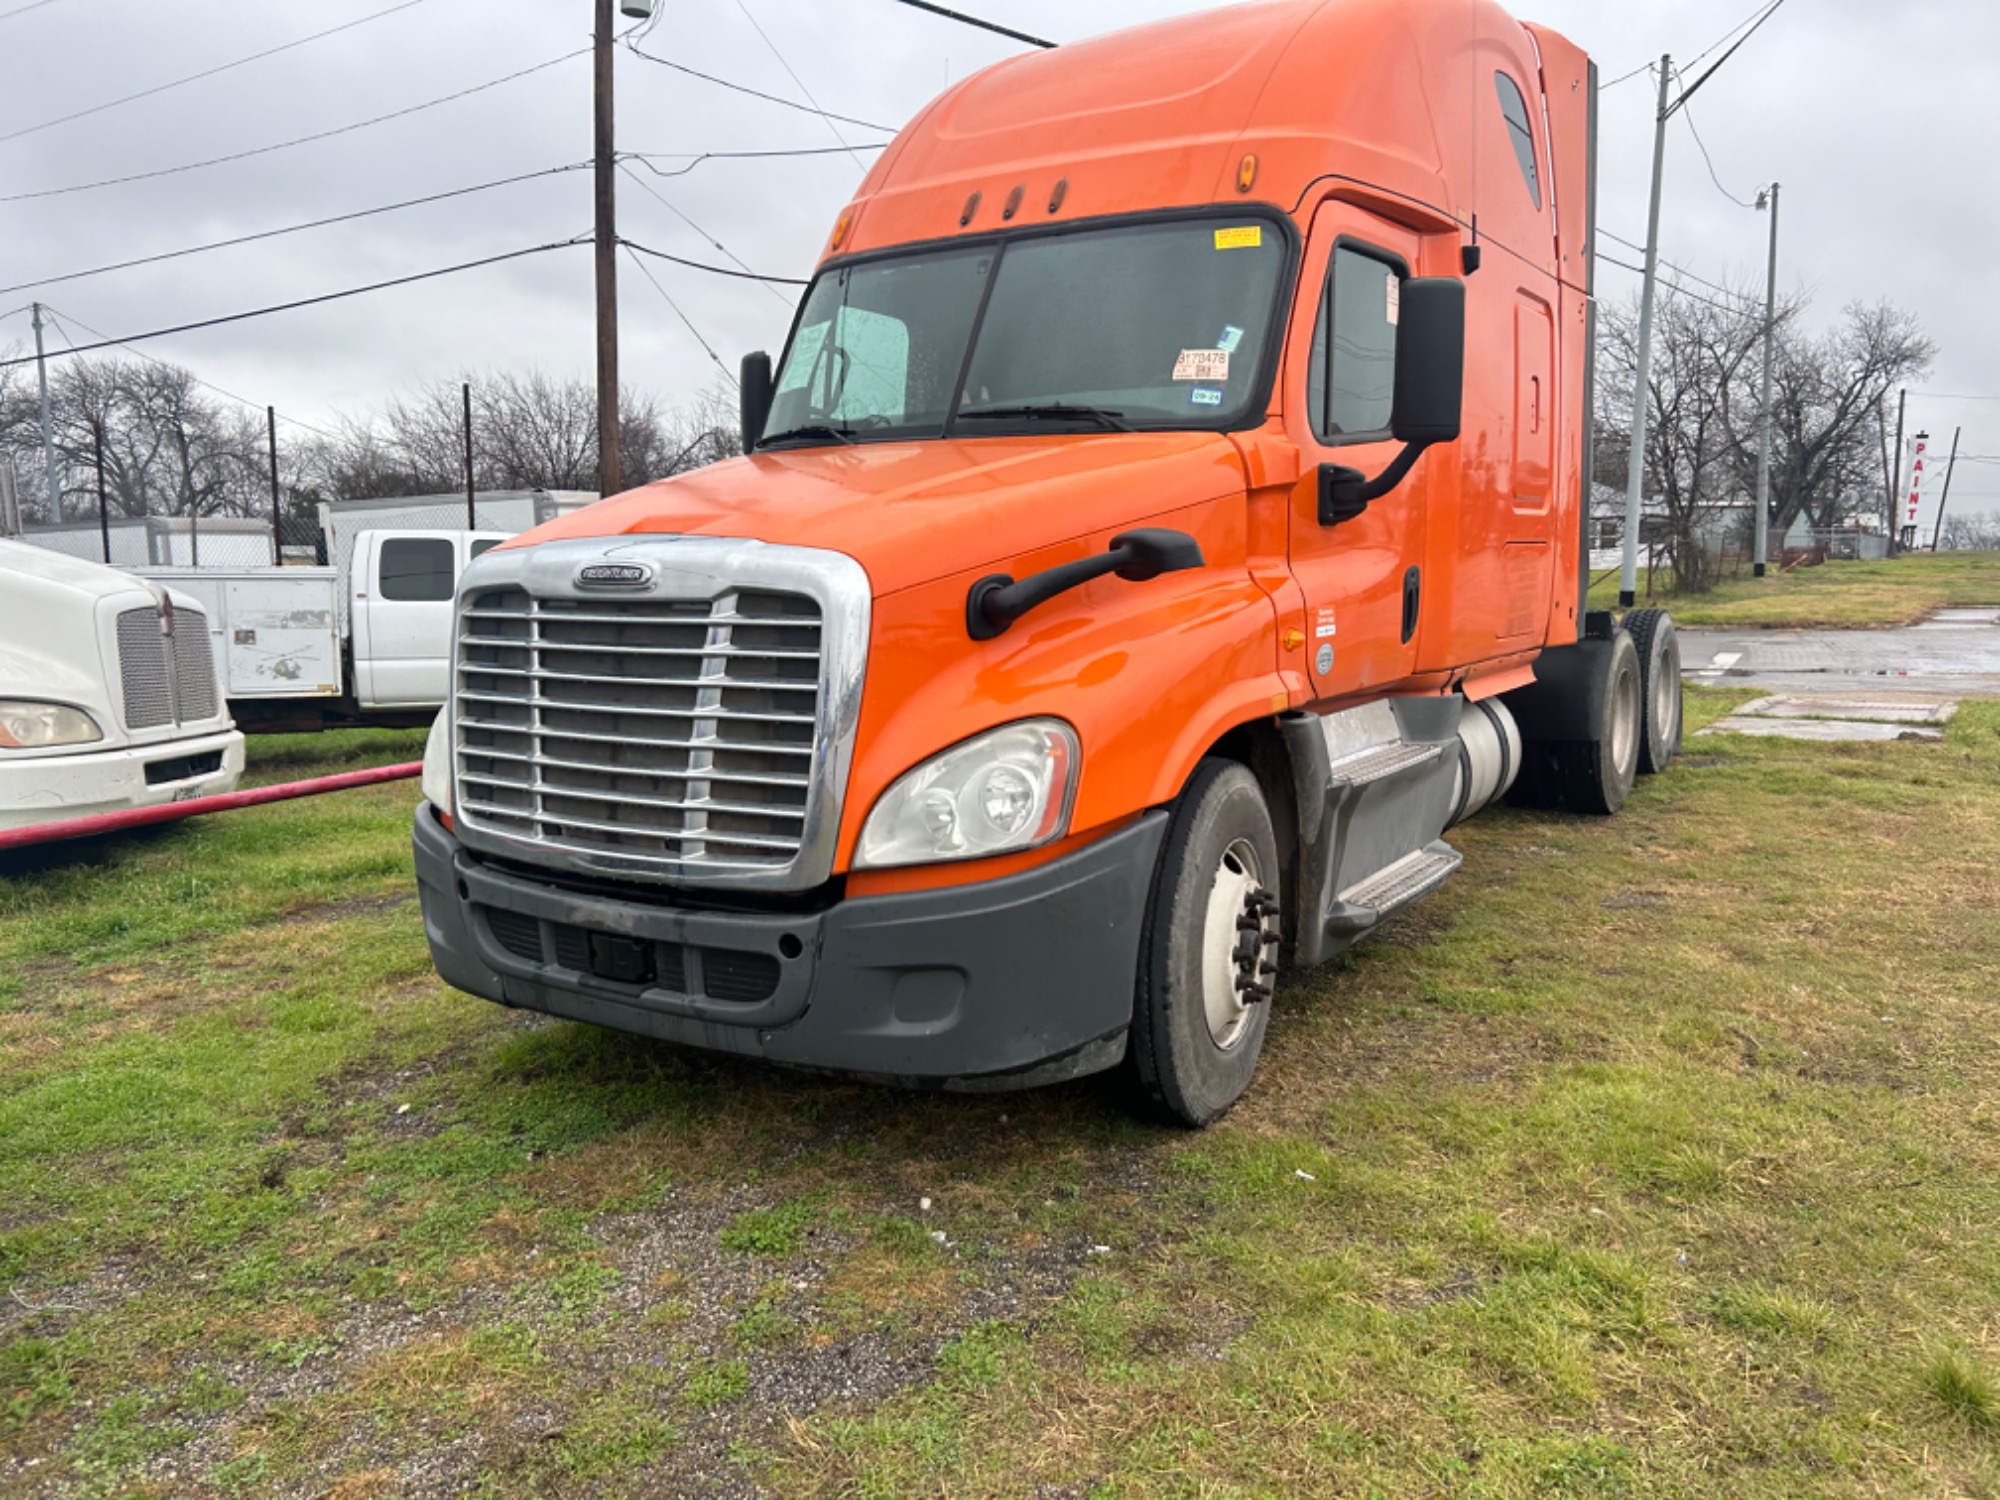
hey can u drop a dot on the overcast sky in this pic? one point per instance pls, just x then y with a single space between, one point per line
1879 120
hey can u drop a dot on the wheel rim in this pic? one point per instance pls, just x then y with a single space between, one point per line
1239 943
1625 721
1667 700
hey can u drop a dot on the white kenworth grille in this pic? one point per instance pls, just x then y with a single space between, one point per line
167 678
677 726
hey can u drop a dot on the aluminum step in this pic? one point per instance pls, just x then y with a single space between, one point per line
1383 761
1415 874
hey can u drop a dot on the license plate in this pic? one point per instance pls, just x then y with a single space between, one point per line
187 793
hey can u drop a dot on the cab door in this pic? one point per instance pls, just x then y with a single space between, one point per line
403 614
1362 578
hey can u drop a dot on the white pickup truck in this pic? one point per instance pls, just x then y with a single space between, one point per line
109 696
310 648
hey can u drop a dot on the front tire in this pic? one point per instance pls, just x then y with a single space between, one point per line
1209 949
1659 651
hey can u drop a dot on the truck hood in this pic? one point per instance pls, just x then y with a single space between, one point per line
913 512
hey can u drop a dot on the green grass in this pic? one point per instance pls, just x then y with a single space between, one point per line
1835 595
1653 1156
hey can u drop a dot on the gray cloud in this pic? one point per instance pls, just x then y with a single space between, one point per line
1875 117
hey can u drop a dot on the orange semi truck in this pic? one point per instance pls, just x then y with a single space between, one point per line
1166 520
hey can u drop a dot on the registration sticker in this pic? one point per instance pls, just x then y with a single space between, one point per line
1203 395
1231 337
1202 364
1245 237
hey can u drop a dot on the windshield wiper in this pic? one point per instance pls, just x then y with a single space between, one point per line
812 430
1053 411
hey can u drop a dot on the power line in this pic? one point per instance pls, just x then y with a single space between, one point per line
832 128
626 168
166 364
161 88
696 158
647 273
320 135
266 234
961 16
24 9
1626 265
744 88
1948 396
1759 9
696 265
355 291
1644 67
1641 249
1690 91
1707 160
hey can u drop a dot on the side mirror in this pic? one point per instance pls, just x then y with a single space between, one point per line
1429 400
1430 361
754 405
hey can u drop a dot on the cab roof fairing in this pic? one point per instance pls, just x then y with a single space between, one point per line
1383 92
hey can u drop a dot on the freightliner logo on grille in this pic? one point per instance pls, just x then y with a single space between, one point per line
615 575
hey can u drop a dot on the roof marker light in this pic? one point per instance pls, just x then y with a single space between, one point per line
1061 192
971 208
1013 205
1246 172
840 230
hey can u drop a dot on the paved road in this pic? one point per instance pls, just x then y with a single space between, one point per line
1957 653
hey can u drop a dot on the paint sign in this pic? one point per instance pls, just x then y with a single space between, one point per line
1917 479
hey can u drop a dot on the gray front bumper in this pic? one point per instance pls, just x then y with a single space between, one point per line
1002 983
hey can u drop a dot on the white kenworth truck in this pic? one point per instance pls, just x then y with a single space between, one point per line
109 697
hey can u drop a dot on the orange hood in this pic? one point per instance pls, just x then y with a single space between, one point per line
913 512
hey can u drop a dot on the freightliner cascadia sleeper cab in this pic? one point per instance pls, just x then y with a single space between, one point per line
1163 524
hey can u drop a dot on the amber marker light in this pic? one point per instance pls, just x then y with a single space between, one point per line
840 230
1246 173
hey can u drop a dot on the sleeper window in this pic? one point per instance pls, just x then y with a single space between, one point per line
416 569
1520 132
1351 381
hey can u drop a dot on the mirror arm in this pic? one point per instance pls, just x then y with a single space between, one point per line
1345 493
997 601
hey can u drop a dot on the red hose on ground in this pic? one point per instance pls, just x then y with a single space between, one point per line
168 812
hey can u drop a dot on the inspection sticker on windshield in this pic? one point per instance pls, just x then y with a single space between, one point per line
1395 299
1202 364
1247 237
1231 337
1203 395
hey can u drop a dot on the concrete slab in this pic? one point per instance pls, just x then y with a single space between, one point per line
1823 730
1965 617
1867 710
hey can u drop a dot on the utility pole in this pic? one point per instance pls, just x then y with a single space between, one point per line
1950 464
610 477
48 441
277 515
1635 479
103 514
1896 484
1770 338
471 512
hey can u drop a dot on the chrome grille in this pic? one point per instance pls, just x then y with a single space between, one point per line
142 669
194 666
167 679
676 735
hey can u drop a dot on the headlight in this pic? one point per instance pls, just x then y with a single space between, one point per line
39 726
1007 789
437 763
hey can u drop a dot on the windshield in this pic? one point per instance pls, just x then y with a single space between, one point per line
1141 326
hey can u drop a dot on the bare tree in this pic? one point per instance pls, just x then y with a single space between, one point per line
1973 531
1702 349
1826 401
